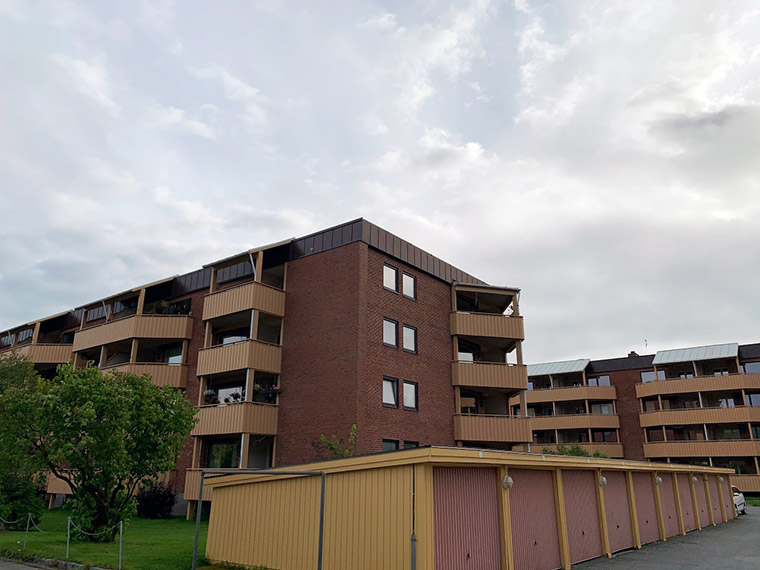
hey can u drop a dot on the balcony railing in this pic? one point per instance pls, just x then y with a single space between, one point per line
242 417
740 414
611 449
487 325
173 375
698 384
576 421
135 326
572 393
491 428
244 297
46 353
238 356
489 375
746 483
712 448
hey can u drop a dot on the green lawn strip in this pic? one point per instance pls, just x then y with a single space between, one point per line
148 544
752 501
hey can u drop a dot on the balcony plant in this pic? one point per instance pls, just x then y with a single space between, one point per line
210 397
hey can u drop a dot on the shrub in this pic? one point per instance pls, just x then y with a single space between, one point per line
155 501
19 496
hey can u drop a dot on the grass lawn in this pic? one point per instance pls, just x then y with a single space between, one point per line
752 501
148 544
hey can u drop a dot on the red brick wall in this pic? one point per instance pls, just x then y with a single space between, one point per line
319 352
628 408
430 367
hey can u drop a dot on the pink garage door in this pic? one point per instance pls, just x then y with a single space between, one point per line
728 498
712 483
687 505
646 508
704 511
466 518
583 534
618 512
534 520
668 502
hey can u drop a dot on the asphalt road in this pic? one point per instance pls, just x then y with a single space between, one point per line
730 546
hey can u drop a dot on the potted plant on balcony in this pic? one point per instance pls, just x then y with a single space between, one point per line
236 397
209 397
271 393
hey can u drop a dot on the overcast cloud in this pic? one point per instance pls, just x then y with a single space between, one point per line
602 156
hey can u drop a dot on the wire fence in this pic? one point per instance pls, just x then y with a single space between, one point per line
32 525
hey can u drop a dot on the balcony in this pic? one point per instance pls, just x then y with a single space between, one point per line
483 427
741 414
57 486
614 450
238 356
572 393
489 375
172 375
135 326
746 483
487 325
46 353
243 417
243 298
698 384
714 448
576 421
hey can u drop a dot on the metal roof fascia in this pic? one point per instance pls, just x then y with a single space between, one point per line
697 353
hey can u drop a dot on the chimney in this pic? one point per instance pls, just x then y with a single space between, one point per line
632 354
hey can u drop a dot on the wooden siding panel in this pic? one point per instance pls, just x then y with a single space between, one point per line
490 375
739 414
193 486
687 506
646 508
47 353
57 486
136 326
247 354
243 417
583 531
749 483
573 393
492 428
617 511
668 502
488 325
576 421
171 375
724 448
534 520
700 384
465 506
245 297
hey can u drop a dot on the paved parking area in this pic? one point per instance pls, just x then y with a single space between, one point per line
730 546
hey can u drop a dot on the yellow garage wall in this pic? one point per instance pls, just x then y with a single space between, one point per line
368 521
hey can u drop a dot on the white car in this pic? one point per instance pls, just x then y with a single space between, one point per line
741 505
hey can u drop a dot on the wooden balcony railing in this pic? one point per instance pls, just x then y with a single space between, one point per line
741 414
576 421
487 325
490 428
173 375
713 448
241 417
238 356
698 384
489 375
244 297
46 353
572 393
135 326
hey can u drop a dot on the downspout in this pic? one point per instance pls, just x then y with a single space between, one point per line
414 518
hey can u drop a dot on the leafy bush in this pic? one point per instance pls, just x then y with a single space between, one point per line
155 501
19 496
574 450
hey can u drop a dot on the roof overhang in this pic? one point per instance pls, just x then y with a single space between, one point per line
697 353
560 367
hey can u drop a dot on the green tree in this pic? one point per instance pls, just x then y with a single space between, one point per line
574 449
103 434
339 447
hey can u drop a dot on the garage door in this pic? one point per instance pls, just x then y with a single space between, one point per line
583 533
618 512
534 520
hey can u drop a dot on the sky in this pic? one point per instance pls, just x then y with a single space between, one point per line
602 156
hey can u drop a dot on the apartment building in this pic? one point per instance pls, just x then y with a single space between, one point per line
281 344
698 405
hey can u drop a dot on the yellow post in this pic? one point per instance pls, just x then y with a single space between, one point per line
731 494
602 514
658 504
709 500
679 510
720 498
505 515
632 509
695 505
559 503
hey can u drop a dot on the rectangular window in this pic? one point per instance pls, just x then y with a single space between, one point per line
410 395
410 339
390 392
755 432
390 444
649 376
390 278
599 381
751 367
411 444
409 285
753 399
601 409
390 333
